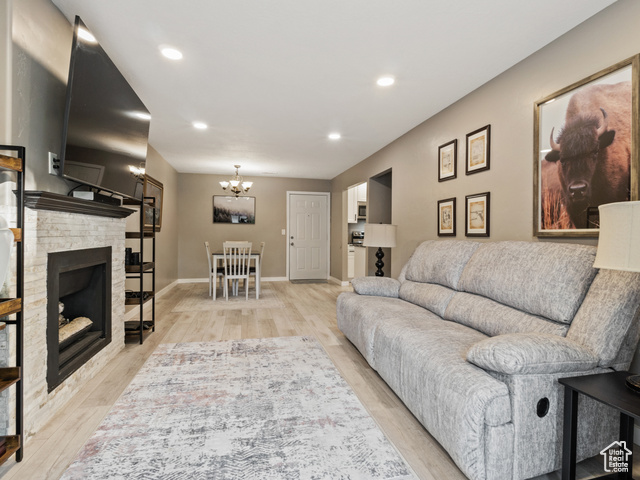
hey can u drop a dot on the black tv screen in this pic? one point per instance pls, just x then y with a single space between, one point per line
106 127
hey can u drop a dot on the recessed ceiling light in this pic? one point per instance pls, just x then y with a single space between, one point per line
334 136
171 53
200 125
86 35
386 81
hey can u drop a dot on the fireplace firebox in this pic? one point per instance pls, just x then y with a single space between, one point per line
78 309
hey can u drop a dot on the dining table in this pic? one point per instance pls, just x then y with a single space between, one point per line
218 257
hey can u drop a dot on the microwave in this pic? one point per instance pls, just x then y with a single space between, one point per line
362 210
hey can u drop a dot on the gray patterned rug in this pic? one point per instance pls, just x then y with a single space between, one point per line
274 408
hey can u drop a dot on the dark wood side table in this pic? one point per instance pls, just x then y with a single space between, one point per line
607 388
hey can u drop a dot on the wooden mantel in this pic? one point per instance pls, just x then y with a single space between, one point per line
39 200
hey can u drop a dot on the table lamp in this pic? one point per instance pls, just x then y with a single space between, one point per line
379 235
618 246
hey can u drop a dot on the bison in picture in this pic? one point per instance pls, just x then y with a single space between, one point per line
593 150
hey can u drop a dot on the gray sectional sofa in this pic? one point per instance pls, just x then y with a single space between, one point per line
473 337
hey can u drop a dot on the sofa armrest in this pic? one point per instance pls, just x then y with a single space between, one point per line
376 286
524 353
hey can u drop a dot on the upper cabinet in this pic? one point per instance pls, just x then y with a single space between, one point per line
362 192
356 194
352 205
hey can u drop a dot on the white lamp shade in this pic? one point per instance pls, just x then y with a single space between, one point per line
619 242
379 235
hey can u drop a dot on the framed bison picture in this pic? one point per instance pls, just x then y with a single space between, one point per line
585 151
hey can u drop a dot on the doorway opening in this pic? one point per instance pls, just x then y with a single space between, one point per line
379 210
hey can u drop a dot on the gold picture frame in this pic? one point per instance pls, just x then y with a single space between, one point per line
602 111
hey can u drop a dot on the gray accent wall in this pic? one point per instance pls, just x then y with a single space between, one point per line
195 202
506 102
36 43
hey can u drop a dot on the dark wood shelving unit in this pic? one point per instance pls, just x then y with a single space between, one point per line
145 267
135 301
139 272
10 376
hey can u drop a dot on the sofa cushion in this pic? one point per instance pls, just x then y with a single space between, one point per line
424 362
440 262
546 279
428 295
606 317
493 318
359 316
379 286
526 353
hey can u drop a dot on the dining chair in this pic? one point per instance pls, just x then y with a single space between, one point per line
236 266
253 270
212 281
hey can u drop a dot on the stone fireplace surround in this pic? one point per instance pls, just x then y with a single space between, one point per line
49 231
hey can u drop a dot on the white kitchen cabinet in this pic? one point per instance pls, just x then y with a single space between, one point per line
351 261
355 194
352 205
362 192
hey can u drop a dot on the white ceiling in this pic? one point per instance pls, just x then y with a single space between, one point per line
273 78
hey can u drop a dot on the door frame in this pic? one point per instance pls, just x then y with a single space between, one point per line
286 238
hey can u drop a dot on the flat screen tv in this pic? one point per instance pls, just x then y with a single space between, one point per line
106 125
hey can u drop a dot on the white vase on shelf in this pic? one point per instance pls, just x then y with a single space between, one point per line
6 242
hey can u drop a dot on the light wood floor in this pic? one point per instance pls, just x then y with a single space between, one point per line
309 309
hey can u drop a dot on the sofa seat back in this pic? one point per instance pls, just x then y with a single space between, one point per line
549 280
440 262
517 287
493 318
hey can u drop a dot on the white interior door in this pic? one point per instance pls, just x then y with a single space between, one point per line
308 236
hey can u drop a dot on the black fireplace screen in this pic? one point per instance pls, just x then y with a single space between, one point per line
78 309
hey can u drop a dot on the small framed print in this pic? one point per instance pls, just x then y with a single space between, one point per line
477 215
478 150
447 217
153 189
448 161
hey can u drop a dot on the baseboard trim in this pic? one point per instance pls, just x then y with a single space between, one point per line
167 289
206 280
339 282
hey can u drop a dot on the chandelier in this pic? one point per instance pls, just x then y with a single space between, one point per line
236 184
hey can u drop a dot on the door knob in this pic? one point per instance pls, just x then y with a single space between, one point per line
292 244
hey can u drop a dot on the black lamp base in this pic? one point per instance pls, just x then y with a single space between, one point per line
379 263
633 383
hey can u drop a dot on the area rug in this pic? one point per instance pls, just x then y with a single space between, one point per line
273 408
198 299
